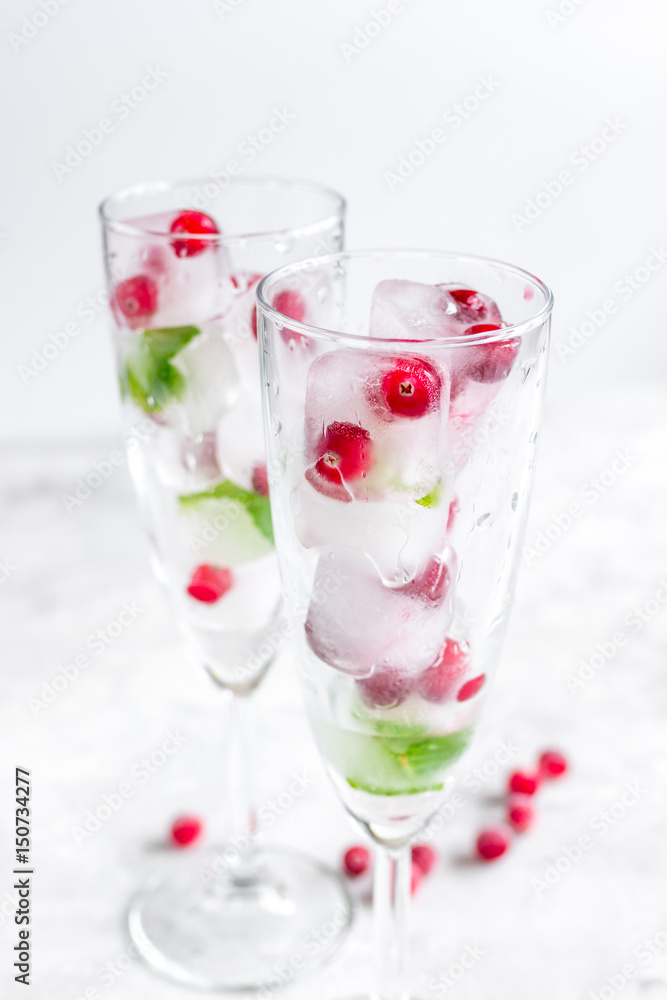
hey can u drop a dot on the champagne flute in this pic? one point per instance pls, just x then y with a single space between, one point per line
182 263
401 443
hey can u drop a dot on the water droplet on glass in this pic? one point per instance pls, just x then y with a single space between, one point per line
277 425
533 437
515 500
482 519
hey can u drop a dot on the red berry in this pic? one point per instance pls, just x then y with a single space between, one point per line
260 480
524 782
431 584
424 857
468 298
386 688
520 814
290 304
552 764
356 861
416 876
136 299
345 452
470 688
412 388
492 362
453 511
440 679
196 223
210 583
185 830
492 843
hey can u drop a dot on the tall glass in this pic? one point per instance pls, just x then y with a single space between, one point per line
401 443
183 261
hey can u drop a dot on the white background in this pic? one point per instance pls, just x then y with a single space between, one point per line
556 80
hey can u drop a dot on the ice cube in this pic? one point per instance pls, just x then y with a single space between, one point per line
375 425
357 624
190 289
410 310
211 384
240 438
397 538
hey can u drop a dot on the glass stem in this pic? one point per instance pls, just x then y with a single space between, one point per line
391 897
241 819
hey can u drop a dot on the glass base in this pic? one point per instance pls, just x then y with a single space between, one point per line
198 922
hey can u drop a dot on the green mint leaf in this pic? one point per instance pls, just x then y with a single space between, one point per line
151 380
257 506
433 498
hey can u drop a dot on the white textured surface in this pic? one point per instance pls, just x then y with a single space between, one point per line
73 572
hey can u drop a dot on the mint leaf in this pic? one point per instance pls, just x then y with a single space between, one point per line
403 765
433 498
151 380
257 506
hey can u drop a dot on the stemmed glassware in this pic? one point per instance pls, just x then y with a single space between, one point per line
183 261
401 440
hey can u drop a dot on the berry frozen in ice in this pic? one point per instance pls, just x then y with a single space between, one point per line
260 480
356 861
196 224
345 453
492 843
491 362
441 679
424 857
552 764
454 508
416 877
291 304
520 814
185 830
524 782
136 299
432 584
470 688
468 298
411 388
386 688
209 583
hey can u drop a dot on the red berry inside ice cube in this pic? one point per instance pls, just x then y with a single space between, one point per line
196 224
356 861
416 877
424 857
492 843
411 388
524 782
136 299
185 830
552 764
290 304
210 583
491 362
345 452
431 584
470 688
520 814
468 298
385 688
260 480
441 679
454 508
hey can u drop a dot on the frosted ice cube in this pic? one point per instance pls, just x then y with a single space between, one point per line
410 310
240 438
397 538
189 289
211 383
359 442
356 624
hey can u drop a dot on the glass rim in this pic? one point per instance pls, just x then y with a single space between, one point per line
339 206
323 333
